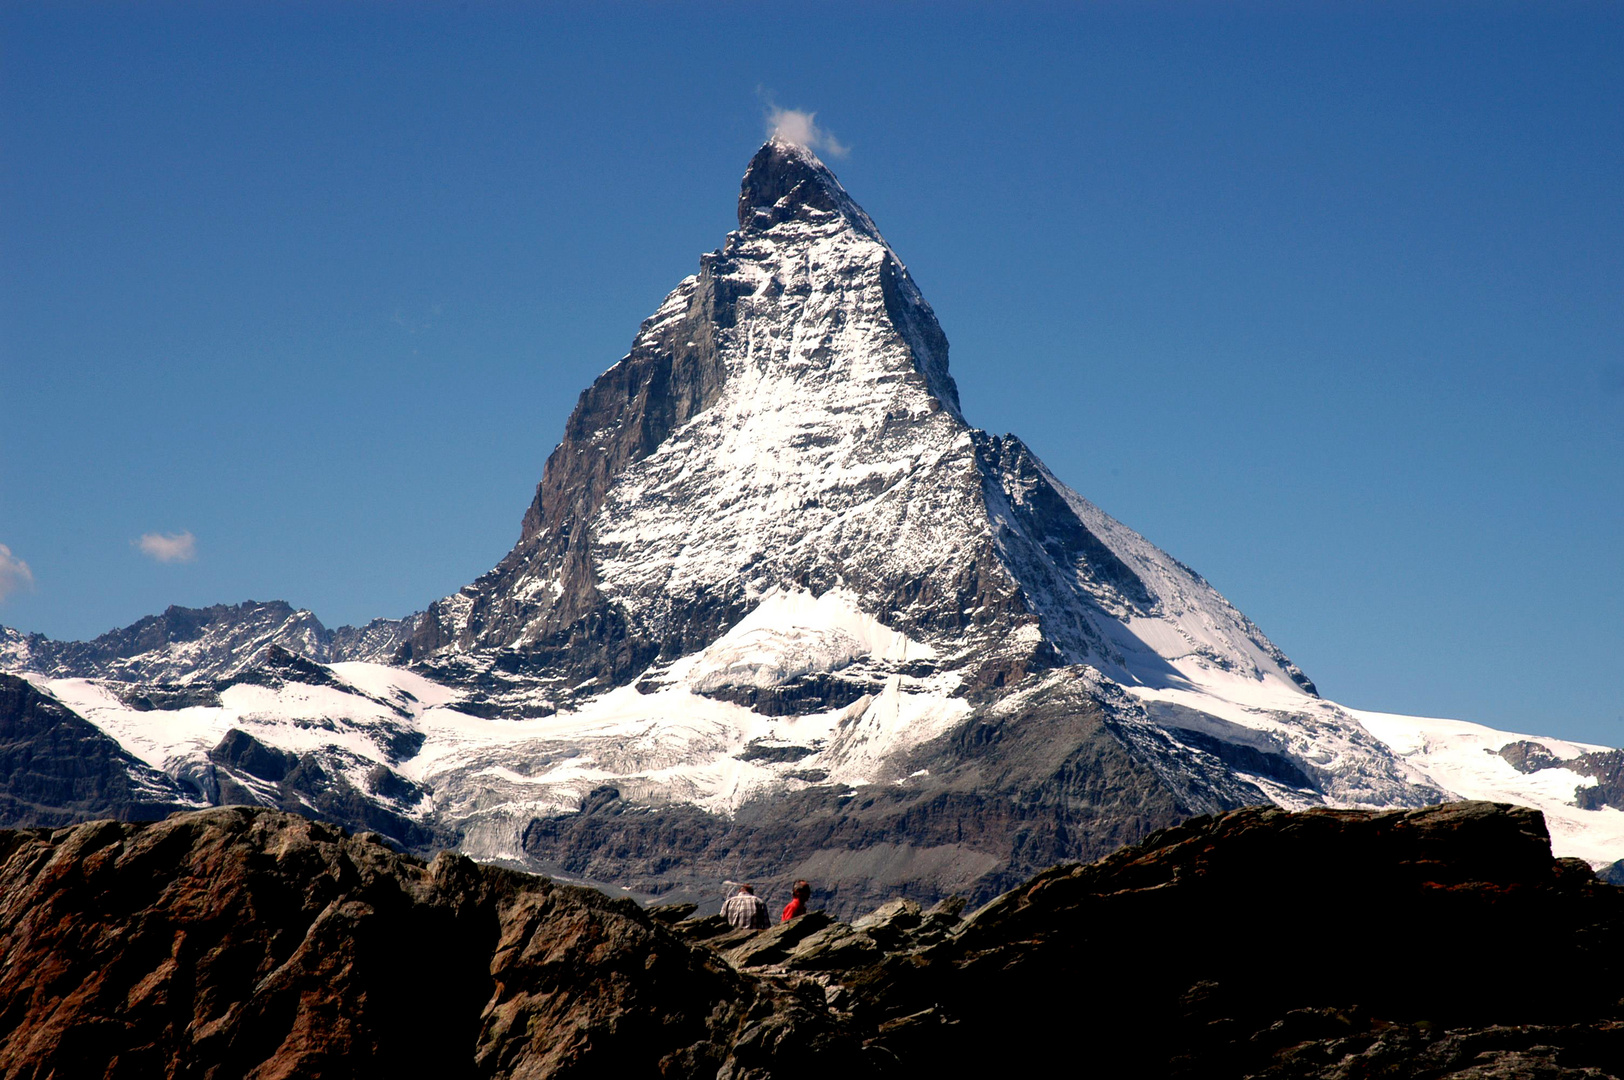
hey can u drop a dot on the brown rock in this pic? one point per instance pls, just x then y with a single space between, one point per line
253 943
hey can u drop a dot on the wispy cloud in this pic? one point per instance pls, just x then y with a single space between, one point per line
801 128
14 573
169 547
423 320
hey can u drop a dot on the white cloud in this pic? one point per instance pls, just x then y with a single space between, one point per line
169 547
801 128
14 573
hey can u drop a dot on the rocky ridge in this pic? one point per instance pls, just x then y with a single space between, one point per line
59 768
1252 943
255 944
200 645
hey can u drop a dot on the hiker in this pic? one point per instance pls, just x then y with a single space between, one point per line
798 900
745 910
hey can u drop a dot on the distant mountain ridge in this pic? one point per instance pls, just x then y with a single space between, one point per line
185 645
777 610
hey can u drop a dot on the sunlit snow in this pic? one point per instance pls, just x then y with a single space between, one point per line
834 494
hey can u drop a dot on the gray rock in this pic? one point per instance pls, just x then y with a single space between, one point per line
836 947
894 915
58 769
775 944
671 913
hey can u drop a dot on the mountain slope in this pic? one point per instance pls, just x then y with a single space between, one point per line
777 609
59 769
256 944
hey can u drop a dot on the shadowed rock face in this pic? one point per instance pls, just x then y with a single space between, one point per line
246 772
1326 945
57 768
1425 943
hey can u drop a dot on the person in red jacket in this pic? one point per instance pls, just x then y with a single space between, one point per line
798 898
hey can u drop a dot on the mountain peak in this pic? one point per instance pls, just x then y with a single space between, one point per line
784 180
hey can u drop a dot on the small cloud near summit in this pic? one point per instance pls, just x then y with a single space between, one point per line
169 547
800 128
14 573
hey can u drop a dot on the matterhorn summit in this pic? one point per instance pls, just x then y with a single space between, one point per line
778 610
786 423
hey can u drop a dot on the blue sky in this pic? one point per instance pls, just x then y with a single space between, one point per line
1326 300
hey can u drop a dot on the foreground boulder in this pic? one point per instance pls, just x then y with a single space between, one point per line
1325 944
253 943
1330 945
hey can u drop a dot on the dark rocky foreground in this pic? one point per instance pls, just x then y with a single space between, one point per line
232 942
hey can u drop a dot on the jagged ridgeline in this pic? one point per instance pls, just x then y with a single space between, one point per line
250 943
786 422
776 611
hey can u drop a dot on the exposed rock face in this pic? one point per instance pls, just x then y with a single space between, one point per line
1255 943
1259 943
1529 757
256 944
246 772
56 768
1606 767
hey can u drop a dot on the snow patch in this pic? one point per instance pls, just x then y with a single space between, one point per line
791 633
1461 756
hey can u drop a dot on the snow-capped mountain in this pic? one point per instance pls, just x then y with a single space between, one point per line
778 610
196 645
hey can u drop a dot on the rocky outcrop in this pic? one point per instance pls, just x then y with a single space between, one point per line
1606 767
1528 757
243 943
246 772
1425 943
1326 945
